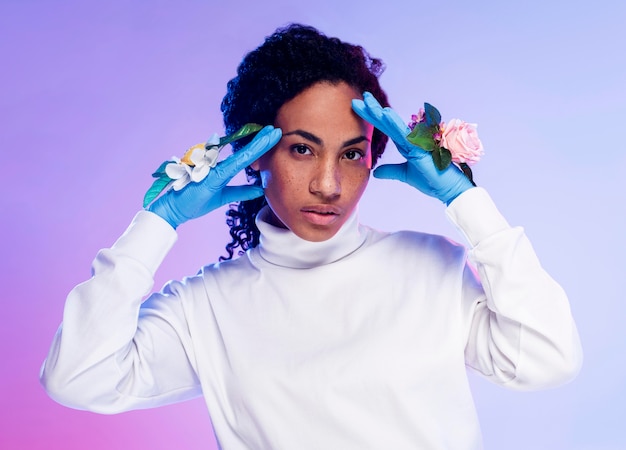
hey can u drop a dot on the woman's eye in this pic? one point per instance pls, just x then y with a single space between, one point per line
301 149
353 155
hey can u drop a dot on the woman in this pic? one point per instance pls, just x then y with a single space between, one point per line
325 333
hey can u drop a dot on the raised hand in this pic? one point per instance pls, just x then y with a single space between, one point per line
419 170
198 199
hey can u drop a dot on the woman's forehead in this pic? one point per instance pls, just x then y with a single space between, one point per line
322 108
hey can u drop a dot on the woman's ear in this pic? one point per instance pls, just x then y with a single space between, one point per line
257 164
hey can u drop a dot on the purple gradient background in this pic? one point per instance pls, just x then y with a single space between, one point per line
96 94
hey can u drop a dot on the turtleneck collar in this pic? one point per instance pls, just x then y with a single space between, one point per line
280 246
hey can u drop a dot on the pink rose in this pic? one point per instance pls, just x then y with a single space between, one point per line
461 138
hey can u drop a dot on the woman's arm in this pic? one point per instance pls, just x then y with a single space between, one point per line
112 353
522 333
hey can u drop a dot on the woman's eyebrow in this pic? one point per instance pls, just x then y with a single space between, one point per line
306 135
313 138
354 141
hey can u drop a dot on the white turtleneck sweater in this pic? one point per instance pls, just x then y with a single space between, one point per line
358 342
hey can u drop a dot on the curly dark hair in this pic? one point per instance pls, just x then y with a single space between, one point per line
289 61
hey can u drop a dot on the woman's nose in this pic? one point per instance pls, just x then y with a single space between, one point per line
326 181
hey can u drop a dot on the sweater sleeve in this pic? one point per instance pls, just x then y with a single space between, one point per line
522 333
112 352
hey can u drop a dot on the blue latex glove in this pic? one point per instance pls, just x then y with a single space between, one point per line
198 199
419 171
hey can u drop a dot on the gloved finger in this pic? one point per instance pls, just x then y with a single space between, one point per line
392 172
358 106
203 205
369 109
372 105
385 119
395 121
230 194
264 140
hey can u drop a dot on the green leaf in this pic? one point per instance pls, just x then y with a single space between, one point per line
161 170
156 188
433 118
242 132
422 136
442 157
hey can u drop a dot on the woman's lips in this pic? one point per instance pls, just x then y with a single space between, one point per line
321 215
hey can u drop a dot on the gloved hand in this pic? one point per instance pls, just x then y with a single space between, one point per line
419 171
198 199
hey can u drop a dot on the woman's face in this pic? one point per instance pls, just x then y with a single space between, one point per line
314 177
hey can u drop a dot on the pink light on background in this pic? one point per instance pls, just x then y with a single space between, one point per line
96 95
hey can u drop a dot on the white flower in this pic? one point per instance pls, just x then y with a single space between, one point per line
213 141
195 164
179 172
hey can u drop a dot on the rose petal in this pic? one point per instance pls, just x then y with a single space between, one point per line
461 138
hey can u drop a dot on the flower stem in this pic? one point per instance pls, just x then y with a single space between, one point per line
468 172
